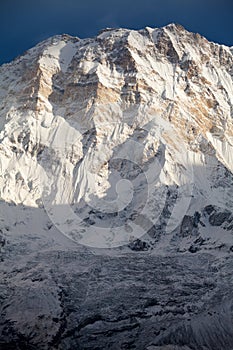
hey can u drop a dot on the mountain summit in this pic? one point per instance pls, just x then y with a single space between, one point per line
120 141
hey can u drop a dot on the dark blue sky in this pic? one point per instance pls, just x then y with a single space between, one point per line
23 23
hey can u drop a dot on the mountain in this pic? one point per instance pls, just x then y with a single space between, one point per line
116 160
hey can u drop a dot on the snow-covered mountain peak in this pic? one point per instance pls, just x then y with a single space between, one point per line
122 141
158 98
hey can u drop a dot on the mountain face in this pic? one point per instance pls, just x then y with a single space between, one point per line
116 190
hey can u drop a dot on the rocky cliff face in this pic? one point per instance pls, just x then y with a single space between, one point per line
122 142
